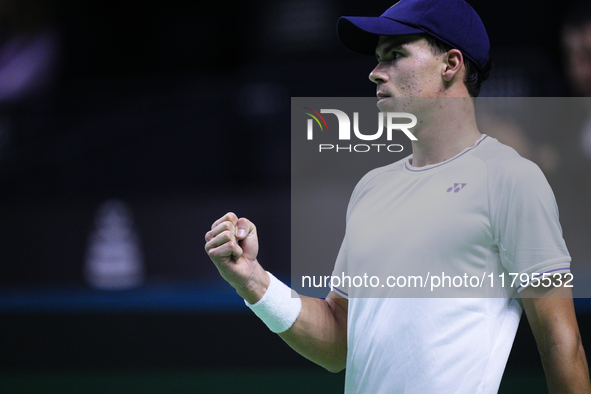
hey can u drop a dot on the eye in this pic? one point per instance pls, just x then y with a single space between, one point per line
395 55
389 56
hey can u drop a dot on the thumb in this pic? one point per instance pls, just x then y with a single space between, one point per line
243 228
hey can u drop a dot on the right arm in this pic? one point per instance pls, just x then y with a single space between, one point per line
320 331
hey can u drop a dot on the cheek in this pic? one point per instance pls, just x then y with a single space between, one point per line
423 78
407 80
407 85
419 84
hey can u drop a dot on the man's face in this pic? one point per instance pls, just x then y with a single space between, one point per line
406 68
577 42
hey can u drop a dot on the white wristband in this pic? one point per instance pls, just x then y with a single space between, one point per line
278 309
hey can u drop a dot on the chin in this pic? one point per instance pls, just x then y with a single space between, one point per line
386 105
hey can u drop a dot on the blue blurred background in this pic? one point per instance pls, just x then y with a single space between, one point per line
127 128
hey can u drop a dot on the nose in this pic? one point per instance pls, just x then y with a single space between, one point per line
378 75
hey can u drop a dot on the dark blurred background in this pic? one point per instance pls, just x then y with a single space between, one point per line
127 128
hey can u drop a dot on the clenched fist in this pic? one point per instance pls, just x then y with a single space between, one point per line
232 245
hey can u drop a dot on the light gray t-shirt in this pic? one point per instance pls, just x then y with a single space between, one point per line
485 213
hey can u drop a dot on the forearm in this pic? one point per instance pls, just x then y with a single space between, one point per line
320 333
552 318
566 367
317 329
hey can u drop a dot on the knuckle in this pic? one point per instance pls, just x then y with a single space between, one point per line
209 249
226 225
227 234
231 217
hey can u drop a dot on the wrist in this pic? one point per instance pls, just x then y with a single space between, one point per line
279 306
255 288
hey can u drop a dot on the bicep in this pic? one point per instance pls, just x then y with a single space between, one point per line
338 305
320 331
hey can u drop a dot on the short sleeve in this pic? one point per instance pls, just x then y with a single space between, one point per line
338 284
525 221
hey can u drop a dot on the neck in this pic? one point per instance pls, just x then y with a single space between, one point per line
448 128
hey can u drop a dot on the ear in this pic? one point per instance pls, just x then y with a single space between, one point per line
454 60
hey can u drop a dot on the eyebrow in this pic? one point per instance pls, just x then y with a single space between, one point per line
388 48
394 42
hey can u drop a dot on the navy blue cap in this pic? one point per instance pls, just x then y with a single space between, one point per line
452 21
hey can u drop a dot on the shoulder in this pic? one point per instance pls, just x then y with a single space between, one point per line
504 164
515 183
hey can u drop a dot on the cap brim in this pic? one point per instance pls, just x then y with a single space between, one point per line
361 34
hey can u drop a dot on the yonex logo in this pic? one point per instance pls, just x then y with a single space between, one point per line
456 187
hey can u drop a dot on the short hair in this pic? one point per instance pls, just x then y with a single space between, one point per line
474 76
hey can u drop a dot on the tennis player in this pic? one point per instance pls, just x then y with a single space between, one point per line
504 219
